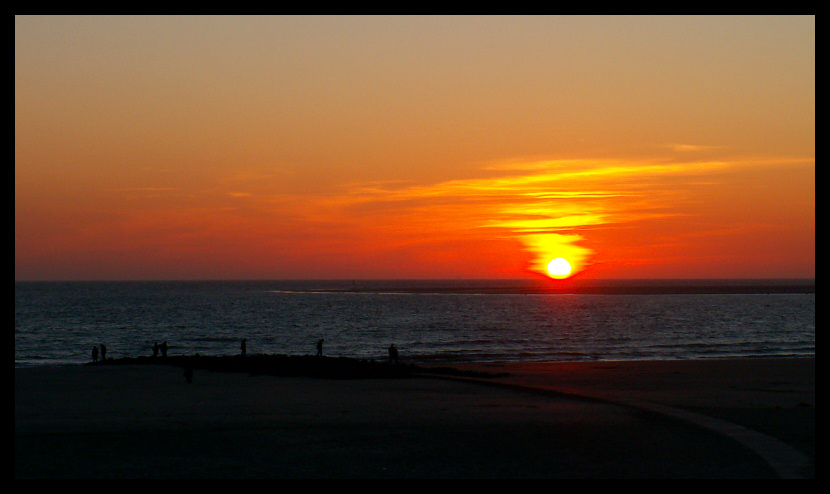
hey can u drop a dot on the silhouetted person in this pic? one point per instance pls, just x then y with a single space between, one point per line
244 347
94 353
103 352
320 346
156 349
188 374
164 349
393 354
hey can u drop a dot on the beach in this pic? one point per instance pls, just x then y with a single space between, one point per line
719 418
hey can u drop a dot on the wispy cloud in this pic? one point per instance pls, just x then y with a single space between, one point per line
143 189
691 148
547 205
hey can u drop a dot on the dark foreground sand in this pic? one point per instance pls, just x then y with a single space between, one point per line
748 418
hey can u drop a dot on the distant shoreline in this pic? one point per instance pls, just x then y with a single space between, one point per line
504 286
610 290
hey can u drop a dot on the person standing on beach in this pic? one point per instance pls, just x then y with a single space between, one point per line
103 352
393 354
164 349
156 349
244 347
94 353
320 346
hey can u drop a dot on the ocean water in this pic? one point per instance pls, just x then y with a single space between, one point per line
58 323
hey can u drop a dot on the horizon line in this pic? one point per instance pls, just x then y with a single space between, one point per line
554 281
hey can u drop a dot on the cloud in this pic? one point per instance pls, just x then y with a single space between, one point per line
550 204
143 189
690 148
551 207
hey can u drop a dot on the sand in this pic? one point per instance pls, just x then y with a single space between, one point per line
744 418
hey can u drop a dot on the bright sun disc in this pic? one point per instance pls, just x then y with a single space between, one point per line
559 267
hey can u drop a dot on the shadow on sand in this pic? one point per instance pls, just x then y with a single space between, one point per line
296 365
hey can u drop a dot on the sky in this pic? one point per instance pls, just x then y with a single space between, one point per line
413 147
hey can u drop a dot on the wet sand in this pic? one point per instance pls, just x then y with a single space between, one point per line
679 419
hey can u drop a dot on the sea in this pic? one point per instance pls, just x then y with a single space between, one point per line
429 321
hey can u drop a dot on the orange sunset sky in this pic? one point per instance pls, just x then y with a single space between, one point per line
354 147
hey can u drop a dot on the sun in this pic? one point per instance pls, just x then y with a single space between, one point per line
559 268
